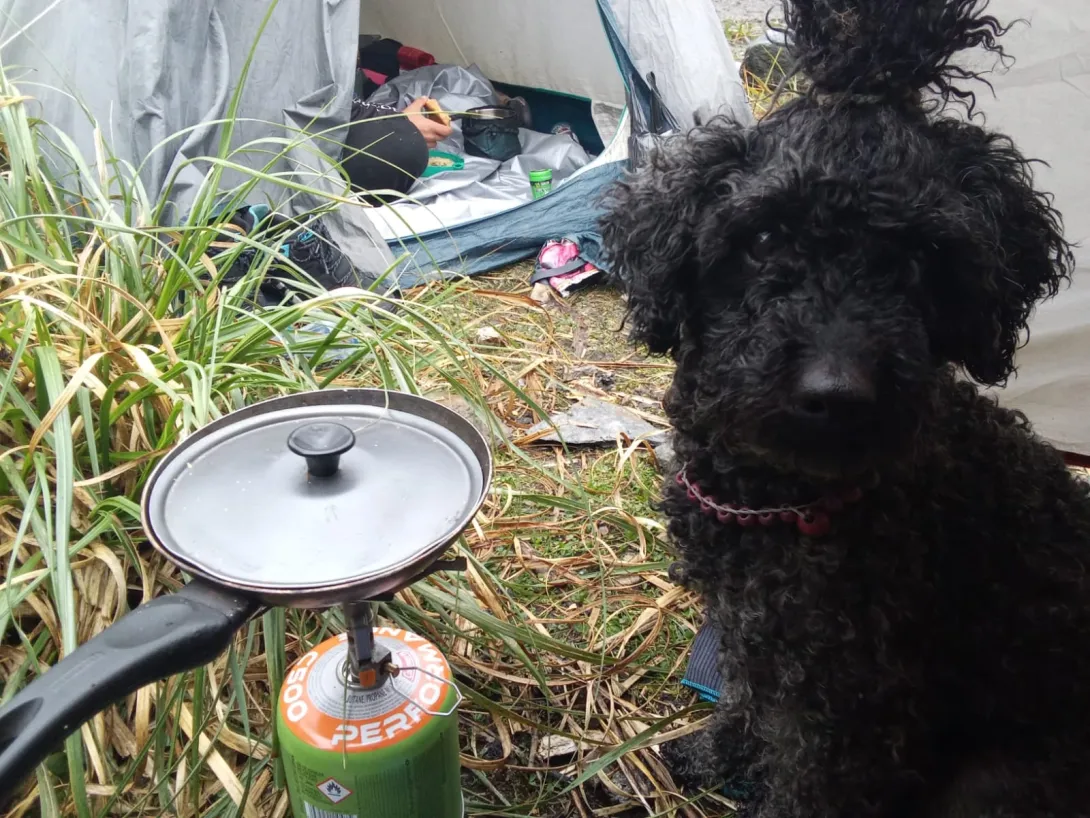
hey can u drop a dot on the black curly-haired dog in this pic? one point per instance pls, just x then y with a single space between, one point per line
899 567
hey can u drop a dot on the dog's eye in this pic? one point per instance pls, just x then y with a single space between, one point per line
761 246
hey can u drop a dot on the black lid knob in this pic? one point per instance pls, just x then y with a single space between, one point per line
322 444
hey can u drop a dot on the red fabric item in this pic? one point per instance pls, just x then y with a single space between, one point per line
1079 461
558 253
409 58
375 76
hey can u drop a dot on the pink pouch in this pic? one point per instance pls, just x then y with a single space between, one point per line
559 262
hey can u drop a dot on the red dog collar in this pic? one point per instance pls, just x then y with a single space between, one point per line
811 519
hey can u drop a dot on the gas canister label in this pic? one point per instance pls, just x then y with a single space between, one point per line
317 812
321 709
334 790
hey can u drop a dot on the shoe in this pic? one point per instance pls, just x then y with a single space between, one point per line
308 246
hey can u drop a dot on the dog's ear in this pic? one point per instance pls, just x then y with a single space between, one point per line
649 222
1003 252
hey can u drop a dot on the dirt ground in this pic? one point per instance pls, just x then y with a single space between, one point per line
744 9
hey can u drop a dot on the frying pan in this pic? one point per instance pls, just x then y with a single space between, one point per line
307 501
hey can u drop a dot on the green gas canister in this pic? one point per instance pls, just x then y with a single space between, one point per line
386 752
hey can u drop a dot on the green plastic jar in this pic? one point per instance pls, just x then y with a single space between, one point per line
541 182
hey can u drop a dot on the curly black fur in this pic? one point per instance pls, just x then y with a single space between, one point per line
882 46
928 656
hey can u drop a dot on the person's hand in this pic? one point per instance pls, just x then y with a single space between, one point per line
432 131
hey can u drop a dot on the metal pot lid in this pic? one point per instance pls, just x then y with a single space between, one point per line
318 493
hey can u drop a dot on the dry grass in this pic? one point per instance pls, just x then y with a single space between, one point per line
565 635
561 536
770 87
555 562
567 639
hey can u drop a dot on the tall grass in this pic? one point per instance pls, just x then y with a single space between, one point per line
116 343
117 340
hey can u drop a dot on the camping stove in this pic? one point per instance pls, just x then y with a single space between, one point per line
367 724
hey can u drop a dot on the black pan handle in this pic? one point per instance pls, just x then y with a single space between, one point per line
168 635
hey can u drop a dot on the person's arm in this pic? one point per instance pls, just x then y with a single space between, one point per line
361 109
432 131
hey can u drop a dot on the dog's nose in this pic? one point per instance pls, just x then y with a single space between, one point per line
831 392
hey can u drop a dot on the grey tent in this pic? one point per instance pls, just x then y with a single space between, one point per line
1043 102
147 69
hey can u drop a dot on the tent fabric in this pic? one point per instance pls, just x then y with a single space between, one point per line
683 44
1043 102
148 69
650 117
144 70
679 42
484 187
558 45
490 243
